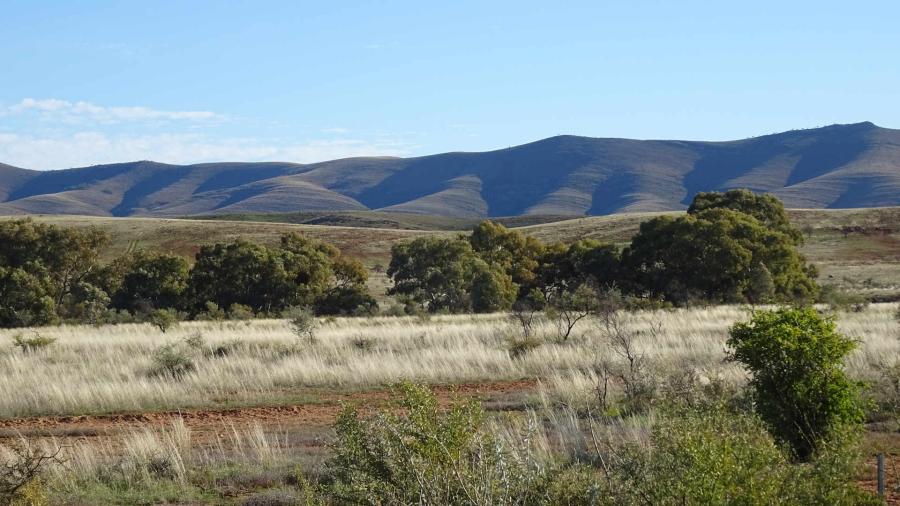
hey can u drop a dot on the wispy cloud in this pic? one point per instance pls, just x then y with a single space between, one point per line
335 130
91 147
57 108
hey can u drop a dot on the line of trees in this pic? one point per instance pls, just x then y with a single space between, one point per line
730 247
50 274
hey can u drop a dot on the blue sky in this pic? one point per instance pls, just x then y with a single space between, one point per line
190 81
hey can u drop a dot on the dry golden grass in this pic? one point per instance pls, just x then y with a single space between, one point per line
106 369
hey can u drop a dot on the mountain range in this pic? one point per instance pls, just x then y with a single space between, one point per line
838 166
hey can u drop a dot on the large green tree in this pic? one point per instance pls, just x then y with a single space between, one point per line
245 273
434 271
564 268
152 281
712 255
510 250
298 272
46 270
767 209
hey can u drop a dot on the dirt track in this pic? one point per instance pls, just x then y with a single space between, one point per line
317 415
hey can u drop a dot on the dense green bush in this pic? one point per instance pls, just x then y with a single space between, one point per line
799 388
716 456
41 266
300 271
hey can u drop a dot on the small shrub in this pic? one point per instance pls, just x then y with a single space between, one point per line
395 309
525 311
172 361
118 316
702 457
34 493
34 343
421 454
302 322
163 319
222 350
364 344
240 312
897 315
631 372
798 385
195 341
569 308
839 300
212 312
20 474
519 347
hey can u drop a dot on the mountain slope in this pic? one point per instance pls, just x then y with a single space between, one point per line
855 165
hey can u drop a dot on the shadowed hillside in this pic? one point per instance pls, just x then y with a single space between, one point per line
840 166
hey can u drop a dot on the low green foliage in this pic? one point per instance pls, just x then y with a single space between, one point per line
839 300
799 388
716 456
240 312
429 456
172 361
302 322
163 319
34 343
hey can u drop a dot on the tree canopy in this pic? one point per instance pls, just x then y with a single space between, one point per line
730 247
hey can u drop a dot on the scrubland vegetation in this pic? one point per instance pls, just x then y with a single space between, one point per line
685 367
604 411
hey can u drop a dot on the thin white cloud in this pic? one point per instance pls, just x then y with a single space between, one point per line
57 108
89 148
335 130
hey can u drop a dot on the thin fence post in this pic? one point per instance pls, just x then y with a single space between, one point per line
880 475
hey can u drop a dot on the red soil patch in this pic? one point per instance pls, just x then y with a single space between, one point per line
312 415
891 474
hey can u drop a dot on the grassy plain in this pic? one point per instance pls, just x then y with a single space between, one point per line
251 422
110 369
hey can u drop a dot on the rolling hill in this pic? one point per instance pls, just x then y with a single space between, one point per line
839 166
